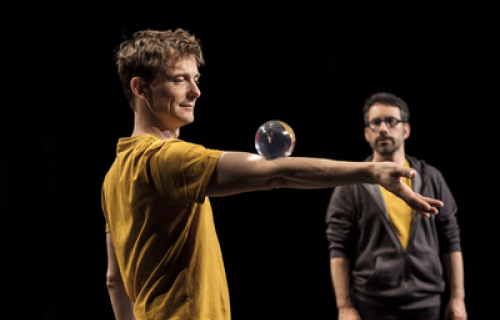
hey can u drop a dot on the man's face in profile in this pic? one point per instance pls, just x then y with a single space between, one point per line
174 92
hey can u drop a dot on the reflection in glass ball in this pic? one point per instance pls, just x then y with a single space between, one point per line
274 139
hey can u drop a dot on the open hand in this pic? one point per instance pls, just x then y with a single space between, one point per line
389 174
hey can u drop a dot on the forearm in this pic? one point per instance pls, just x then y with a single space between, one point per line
238 172
454 268
314 173
122 305
340 272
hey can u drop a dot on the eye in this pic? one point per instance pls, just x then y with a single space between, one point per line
179 79
391 121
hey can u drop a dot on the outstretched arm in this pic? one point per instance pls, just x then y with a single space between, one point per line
122 306
238 172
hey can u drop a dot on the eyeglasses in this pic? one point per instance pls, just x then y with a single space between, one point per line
391 122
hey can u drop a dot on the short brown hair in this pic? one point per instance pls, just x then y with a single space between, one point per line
148 51
389 99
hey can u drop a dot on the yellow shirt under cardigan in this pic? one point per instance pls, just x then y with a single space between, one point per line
162 228
400 214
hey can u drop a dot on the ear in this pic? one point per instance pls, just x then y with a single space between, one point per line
366 134
406 130
138 88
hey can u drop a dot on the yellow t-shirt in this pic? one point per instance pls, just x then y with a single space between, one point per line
161 224
400 214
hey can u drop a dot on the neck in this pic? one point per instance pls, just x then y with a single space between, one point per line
146 123
155 131
397 157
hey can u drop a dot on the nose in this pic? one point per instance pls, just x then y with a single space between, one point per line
383 127
194 91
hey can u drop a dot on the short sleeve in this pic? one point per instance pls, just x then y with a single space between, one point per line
181 171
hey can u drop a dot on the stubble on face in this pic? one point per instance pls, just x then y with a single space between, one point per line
387 147
175 92
387 141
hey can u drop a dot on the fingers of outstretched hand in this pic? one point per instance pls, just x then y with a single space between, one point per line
428 205
423 205
416 203
423 212
432 202
419 204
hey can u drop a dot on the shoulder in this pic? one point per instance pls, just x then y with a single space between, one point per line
430 173
423 167
173 149
178 145
176 156
187 152
146 141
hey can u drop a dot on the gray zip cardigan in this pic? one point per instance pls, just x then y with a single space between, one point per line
382 272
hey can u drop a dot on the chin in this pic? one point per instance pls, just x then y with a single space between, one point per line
185 122
387 152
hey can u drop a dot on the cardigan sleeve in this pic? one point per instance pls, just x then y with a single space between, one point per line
446 221
341 230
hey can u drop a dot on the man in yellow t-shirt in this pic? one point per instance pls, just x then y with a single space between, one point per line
164 259
385 260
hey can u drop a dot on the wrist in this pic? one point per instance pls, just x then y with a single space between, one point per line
371 173
457 296
376 171
345 304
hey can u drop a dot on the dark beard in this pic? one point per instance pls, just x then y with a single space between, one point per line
387 149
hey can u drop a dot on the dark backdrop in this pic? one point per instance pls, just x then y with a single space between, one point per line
309 65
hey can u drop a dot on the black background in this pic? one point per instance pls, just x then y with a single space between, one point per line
310 65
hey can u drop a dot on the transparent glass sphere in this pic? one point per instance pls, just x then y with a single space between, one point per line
274 139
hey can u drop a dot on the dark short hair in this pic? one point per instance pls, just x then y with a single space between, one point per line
389 99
